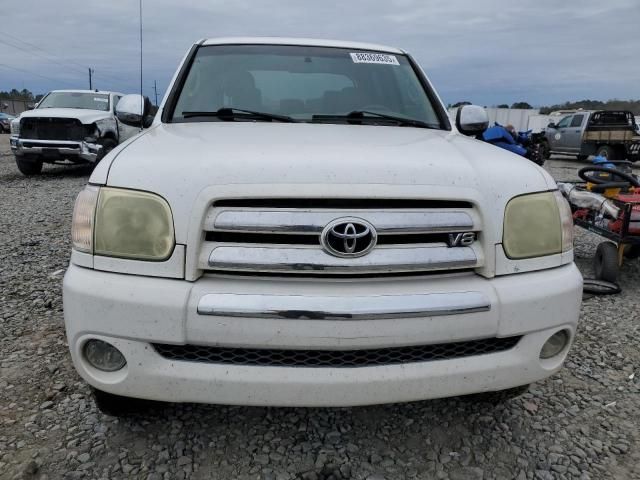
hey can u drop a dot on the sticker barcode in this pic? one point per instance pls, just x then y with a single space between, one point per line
379 58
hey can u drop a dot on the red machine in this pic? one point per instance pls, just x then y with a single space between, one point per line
608 203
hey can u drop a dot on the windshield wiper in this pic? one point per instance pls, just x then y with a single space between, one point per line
360 115
228 113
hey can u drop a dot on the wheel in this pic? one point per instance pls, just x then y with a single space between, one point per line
632 251
605 262
545 150
606 151
108 144
500 396
118 406
582 158
591 287
29 166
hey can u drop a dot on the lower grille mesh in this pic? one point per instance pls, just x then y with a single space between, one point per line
334 358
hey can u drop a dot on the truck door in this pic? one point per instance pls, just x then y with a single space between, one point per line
556 135
572 134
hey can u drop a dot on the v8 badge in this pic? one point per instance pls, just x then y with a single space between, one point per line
461 239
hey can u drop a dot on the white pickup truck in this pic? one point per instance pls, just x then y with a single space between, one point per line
302 226
70 126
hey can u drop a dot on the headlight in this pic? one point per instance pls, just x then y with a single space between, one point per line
536 225
15 126
82 222
123 223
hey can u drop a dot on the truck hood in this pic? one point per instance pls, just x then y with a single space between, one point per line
85 116
180 161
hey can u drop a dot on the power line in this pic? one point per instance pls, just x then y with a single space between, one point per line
155 93
43 50
36 74
57 58
17 47
141 94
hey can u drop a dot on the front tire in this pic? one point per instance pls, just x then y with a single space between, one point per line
606 151
119 406
108 144
632 252
545 150
605 262
29 166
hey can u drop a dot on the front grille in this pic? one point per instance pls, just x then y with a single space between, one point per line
340 203
46 128
334 358
40 144
284 236
292 239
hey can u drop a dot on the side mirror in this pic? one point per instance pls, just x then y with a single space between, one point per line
472 120
551 125
133 110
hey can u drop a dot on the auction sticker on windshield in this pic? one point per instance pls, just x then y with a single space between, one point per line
380 58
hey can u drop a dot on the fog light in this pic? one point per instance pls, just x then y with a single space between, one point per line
556 343
103 356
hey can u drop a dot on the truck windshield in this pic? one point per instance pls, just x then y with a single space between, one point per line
84 100
303 83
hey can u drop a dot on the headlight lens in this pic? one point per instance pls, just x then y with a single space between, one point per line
566 221
15 126
536 225
82 222
133 224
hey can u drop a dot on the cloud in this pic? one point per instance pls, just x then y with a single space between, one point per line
489 51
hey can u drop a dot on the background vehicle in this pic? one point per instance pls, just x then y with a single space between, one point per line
526 144
5 122
303 226
71 126
609 134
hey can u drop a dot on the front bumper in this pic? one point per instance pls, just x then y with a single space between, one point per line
132 312
55 148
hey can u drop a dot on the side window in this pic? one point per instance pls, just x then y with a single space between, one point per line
565 121
577 120
116 99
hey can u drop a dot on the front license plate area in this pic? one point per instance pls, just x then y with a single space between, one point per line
50 152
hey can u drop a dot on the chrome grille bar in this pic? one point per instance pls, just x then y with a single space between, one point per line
342 308
312 221
309 259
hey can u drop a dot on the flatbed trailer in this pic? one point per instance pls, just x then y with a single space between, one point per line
616 129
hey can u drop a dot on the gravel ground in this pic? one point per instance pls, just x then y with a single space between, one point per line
582 423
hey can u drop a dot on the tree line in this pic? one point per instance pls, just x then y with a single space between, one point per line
23 95
631 105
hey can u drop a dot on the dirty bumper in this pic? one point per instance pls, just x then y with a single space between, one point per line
184 341
55 149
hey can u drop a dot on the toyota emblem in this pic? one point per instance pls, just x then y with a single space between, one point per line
348 237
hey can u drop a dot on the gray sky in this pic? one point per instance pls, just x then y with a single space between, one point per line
485 51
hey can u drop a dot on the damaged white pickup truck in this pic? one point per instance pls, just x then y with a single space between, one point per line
302 225
68 126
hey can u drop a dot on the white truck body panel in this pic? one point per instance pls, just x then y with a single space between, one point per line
141 307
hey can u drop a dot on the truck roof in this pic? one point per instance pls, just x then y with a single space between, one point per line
310 42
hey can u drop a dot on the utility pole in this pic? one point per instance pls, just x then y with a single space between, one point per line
155 92
91 71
